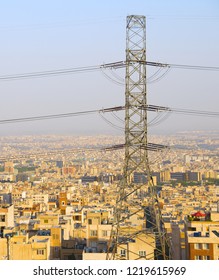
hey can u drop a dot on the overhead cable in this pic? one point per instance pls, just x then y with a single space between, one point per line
57 152
156 108
56 72
65 115
112 65
152 108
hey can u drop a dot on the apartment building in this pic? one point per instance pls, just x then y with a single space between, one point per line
6 216
202 238
21 248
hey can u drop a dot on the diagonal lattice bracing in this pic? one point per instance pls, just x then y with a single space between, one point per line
137 230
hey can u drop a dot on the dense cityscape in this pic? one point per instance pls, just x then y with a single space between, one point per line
57 196
109 141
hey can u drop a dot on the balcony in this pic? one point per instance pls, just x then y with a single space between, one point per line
198 234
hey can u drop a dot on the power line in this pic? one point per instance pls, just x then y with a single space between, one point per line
55 24
149 147
65 115
47 73
194 67
59 152
195 112
113 65
152 108
57 72
156 108
121 64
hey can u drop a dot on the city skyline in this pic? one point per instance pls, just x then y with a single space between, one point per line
81 34
47 211
109 140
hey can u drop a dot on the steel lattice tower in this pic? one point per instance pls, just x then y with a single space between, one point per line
124 234
135 98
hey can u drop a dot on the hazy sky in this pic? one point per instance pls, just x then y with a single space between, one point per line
47 35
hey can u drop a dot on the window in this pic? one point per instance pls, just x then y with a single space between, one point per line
197 257
89 221
205 246
198 246
46 221
206 257
123 253
40 252
142 253
104 233
2 218
93 233
55 236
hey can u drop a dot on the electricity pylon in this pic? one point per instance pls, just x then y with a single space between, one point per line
137 217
